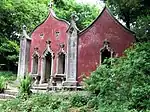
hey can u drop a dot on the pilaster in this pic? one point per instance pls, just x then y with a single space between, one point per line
25 42
71 76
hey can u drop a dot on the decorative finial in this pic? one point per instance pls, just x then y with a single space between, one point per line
62 45
48 42
74 17
36 48
24 27
50 5
106 42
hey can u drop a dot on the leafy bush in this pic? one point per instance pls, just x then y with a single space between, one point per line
2 84
9 76
25 85
37 103
79 100
126 81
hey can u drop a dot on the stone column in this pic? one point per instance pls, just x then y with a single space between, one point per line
24 53
71 76
42 70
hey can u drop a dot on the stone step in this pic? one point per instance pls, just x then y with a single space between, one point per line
7 96
11 92
3 100
39 88
40 85
38 91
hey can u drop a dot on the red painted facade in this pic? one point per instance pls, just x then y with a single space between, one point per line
48 31
91 41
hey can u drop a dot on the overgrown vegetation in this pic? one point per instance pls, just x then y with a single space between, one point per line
46 103
9 76
122 87
2 84
125 85
5 78
25 86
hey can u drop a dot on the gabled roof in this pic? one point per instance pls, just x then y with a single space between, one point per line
51 14
109 12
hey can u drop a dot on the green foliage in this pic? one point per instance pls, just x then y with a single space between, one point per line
79 100
37 103
9 76
135 13
126 81
15 13
2 84
25 86
86 12
129 10
142 28
10 49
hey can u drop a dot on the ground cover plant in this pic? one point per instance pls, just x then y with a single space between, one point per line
9 76
2 84
47 102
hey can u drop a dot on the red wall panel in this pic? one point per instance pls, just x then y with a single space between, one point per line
49 28
91 41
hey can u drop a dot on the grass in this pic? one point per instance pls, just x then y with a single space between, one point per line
9 76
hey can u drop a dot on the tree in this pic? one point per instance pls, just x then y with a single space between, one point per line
85 12
128 10
15 13
142 28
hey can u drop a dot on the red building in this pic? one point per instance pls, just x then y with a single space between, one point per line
60 54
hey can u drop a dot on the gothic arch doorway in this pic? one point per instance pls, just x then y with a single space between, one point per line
61 63
105 55
48 66
105 52
35 64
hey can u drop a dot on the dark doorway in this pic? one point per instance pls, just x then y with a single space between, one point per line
105 55
35 65
48 66
61 63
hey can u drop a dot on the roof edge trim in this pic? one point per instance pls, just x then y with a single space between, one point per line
110 13
85 29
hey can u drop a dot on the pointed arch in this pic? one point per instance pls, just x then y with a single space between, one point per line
47 64
35 62
106 52
61 60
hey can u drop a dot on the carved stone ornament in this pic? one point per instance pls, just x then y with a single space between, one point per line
36 52
106 45
61 51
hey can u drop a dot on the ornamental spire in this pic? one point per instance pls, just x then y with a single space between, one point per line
50 5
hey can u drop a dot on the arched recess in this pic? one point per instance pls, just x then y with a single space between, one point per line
61 61
61 64
35 62
106 52
47 64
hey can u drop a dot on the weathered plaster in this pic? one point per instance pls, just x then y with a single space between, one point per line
91 41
